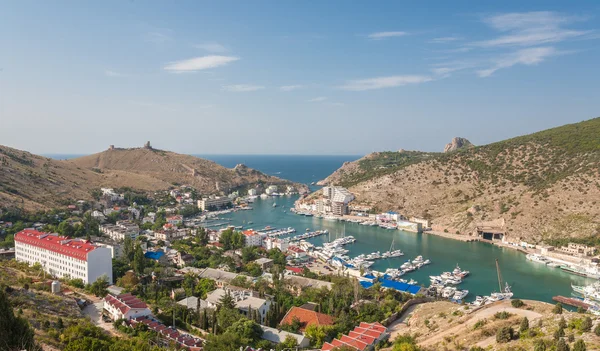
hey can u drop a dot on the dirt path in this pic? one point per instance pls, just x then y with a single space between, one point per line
399 326
482 314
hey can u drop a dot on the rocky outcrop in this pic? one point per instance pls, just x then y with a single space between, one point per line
457 143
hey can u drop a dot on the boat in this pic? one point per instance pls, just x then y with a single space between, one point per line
460 294
448 292
479 301
591 291
537 258
504 294
457 272
419 259
274 205
590 272
412 282
553 264
452 281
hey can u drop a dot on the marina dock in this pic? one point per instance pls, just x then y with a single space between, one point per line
571 301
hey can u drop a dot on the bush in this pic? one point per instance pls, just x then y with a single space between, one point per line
480 323
558 309
579 346
504 334
524 324
559 333
517 303
571 338
540 345
597 330
502 315
586 326
562 323
476 348
561 345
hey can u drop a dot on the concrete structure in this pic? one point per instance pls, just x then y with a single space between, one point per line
193 303
215 201
425 223
578 250
271 189
264 263
221 277
252 192
175 220
121 230
252 238
168 235
62 256
125 306
277 336
116 249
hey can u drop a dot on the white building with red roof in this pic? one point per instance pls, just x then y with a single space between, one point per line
62 256
362 338
125 306
253 238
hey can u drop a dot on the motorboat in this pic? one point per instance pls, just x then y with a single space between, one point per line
537 258
460 294
412 282
452 281
459 272
479 301
448 292
418 259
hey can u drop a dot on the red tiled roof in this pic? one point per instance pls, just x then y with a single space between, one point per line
360 338
187 341
296 270
125 302
306 317
74 248
250 232
295 249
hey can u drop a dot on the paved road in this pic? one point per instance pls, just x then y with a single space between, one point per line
94 311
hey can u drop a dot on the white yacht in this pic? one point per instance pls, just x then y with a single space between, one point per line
479 301
460 294
591 291
419 259
506 295
537 258
448 292
457 272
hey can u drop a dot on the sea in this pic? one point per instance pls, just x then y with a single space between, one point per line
528 280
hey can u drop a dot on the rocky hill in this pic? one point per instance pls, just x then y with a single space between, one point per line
36 182
543 186
457 143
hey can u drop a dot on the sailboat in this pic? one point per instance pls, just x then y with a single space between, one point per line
391 252
507 294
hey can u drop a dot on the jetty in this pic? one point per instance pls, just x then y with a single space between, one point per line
571 301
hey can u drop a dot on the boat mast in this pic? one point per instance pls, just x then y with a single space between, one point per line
499 275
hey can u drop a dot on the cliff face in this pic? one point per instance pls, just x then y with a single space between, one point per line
544 185
457 143
36 182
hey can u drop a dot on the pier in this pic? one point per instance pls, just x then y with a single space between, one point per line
571 301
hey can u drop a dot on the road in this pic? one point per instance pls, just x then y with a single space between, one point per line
94 311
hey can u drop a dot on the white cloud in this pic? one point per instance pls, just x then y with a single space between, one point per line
530 29
290 87
158 37
199 63
384 82
443 40
241 88
531 56
211 47
384 35
318 99
110 73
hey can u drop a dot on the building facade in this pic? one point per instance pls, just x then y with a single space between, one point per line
217 202
125 306
64 257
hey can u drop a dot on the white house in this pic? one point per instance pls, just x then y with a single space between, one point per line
125 306
243 301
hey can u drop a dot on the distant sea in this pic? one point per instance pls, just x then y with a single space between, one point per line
298 168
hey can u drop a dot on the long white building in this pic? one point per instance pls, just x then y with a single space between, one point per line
64 257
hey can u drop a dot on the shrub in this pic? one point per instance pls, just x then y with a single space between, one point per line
480 323
558 309
586 326
579 346
524 324
476 348
540 345
597 330
502 315
561 345
562 323
504 334
559 333
571 338
517 303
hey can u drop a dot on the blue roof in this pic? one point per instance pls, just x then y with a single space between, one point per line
154 255
392 212
369 276
366 284
413 289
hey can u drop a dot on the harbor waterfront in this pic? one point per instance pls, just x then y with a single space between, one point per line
525 277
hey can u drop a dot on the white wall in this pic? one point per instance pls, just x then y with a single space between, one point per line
99 263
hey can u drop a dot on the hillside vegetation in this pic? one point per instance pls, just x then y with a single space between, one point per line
34 182
544 185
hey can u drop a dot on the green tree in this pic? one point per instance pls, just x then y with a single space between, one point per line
99 287
559 333
558 309
253 269
128 249
15 331
586 325
139 261
562 323
290 343
202 236
516 303
504 334
60 324
561 345
227 317
524 324
597 330
226 301
247 329
539 345
226 341
579 345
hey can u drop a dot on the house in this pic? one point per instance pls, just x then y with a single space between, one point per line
244 301
175 220
252 237
296 252
120 230
297 283
362 338
177 293
183 259
277 336
186 341
193 303
125 306
99 216
264 263
221 277
306 318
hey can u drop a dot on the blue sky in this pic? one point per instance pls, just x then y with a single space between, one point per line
283 77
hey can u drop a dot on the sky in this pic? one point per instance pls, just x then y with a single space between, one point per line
292 77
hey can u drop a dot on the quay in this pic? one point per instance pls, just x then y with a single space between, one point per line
571 301
459 237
